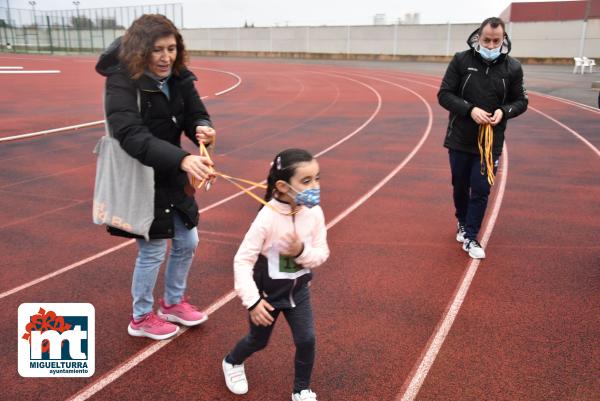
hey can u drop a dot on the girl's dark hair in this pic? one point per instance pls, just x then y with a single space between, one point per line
138 43
284 167
494 22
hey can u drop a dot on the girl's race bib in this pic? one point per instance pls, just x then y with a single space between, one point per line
283 267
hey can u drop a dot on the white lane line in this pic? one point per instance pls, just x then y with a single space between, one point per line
238 83
287 130
132 362
581 138
143 354
29 58
536 93
556 98
575 133
356 131
403 163
568 101
415 380
10 68
51 131
98 255
265 113
30 72
413 383
93 123
207 208
65 269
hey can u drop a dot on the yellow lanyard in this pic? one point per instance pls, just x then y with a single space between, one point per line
485 141
204 152
234 180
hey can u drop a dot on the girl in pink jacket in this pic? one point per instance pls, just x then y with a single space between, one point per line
273 267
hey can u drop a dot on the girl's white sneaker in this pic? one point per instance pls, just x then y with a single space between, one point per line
235 378
304 395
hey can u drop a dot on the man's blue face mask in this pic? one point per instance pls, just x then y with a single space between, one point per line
489 54
309 197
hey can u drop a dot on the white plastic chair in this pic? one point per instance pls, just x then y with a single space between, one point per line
590 63
578 64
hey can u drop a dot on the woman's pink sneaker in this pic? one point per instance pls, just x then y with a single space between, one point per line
153 327
183 313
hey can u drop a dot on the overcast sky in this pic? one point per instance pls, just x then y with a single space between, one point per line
233 13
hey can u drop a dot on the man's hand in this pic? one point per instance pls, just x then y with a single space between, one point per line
497 117
205 134
481 116
200 167
260 315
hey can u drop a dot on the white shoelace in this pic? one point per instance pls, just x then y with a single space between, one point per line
473 244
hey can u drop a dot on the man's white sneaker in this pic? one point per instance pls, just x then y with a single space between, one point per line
235 378
304 395
460 232
474 249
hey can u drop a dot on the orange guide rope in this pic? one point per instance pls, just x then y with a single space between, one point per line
485 141
234 180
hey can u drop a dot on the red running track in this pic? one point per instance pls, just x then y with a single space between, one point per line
527 329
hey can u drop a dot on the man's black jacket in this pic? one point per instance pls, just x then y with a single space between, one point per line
470 81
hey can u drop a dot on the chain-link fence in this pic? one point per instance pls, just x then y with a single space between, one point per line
79 30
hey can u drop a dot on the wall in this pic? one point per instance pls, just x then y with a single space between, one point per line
530 39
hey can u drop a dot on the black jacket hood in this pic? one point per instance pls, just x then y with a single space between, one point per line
473 42
109 63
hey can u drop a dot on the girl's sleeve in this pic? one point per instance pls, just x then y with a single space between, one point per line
245 258
317 252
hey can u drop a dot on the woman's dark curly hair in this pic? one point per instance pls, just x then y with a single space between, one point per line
138 43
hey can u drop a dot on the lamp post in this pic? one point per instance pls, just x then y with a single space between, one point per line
37 34
78 22
32 4
8 12
9 46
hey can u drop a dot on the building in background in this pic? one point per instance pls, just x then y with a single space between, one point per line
551 11
410 19
379 19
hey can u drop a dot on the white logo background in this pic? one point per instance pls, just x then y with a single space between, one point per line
81 364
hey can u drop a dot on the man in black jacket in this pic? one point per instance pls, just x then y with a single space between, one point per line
482 85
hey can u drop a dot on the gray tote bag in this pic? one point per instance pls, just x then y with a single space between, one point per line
124 189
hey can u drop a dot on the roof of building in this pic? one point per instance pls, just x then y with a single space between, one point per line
551 11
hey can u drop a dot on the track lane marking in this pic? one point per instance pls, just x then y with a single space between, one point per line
205 209
98 122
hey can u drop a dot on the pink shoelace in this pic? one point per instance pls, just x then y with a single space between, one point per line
152 320
184 304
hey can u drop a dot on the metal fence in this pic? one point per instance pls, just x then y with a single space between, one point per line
78 31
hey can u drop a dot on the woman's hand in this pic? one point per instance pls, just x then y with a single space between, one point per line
481 116
291 245
200 167
205 134
260 315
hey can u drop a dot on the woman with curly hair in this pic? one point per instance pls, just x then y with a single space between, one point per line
150 100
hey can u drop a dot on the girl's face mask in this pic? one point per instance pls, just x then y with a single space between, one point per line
309 197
